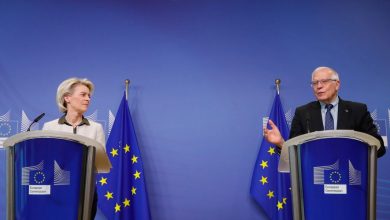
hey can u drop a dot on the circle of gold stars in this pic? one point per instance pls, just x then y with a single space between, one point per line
333 175
5 129
119 206
39 177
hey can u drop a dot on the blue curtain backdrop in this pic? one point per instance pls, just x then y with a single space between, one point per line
202 79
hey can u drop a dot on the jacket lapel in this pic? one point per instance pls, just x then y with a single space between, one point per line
343 115
316 118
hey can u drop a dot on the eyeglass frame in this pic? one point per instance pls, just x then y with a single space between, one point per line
322 81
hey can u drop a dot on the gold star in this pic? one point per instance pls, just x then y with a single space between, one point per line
133 190
126 202
284 200
117 207
137 174
103 181
271 150
264 164
134 159
279 205
264 180
114 152
270 194
109 195
126 148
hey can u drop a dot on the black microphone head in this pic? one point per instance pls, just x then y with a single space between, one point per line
39 117
35 120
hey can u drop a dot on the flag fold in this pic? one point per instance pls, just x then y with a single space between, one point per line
122 192
271 189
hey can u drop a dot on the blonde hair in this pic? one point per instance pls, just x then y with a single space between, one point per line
67 87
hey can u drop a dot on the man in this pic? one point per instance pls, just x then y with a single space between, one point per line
328 111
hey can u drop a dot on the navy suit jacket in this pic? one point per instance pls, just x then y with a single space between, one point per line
351 116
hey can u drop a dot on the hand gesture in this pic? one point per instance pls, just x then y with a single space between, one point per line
273 135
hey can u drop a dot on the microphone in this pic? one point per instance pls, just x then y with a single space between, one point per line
36 120
308 122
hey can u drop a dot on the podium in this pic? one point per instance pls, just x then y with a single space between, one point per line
50 175
333 174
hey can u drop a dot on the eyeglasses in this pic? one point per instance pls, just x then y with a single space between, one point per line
322 81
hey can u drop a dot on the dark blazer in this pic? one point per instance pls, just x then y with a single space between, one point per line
351 116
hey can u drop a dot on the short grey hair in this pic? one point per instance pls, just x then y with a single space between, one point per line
67 88
335 75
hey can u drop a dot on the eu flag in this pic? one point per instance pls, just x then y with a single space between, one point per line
122 192
271 189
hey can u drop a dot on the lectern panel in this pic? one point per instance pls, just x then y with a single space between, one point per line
334 179
48 179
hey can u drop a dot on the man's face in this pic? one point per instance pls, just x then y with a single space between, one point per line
325 89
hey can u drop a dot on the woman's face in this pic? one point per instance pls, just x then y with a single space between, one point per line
79 100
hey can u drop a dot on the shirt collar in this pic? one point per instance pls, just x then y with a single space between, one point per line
334 103
62 120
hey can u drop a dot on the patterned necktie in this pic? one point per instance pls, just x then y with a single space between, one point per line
329 124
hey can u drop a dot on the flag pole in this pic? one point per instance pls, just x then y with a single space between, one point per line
277 82
127 82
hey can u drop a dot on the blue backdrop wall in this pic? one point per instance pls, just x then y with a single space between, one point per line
202 78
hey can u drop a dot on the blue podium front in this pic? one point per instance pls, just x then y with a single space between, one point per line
333 174
334 179
51 175
48 179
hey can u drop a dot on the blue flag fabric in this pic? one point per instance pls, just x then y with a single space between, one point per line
271 189
122 192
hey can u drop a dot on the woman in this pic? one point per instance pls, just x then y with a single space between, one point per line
73 98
